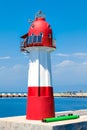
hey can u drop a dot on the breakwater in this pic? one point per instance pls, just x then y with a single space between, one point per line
13 95
78 94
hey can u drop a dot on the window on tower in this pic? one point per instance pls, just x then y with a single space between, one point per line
33 38
30 40
40 37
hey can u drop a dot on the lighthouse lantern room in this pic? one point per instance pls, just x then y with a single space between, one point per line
39 43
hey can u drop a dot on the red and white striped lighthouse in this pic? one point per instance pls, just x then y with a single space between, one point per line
39 43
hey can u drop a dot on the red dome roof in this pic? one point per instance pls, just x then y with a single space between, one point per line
40 26
39 34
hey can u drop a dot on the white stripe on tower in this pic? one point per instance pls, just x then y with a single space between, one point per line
39 73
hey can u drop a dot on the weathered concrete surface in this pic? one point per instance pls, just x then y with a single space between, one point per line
77 112
20 123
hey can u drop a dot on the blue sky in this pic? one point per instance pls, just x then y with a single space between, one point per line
68 20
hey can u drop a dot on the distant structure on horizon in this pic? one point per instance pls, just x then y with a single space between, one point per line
39 43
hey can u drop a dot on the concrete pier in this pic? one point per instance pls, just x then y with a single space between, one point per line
20 123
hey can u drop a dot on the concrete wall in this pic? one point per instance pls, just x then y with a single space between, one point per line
20 123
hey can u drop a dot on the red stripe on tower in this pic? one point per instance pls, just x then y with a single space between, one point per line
39 43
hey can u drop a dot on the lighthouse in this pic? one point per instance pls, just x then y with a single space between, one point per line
39 43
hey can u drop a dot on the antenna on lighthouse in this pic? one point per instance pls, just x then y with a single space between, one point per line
39 14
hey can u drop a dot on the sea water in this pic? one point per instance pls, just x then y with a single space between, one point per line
17 106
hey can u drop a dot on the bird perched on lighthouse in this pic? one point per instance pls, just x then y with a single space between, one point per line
39 43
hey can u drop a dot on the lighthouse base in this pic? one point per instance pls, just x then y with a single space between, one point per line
40 107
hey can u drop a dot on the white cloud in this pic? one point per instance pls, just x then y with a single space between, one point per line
77 54
70 73
13 78
80 55
66 63
62 55
5 58
2 68
85 63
